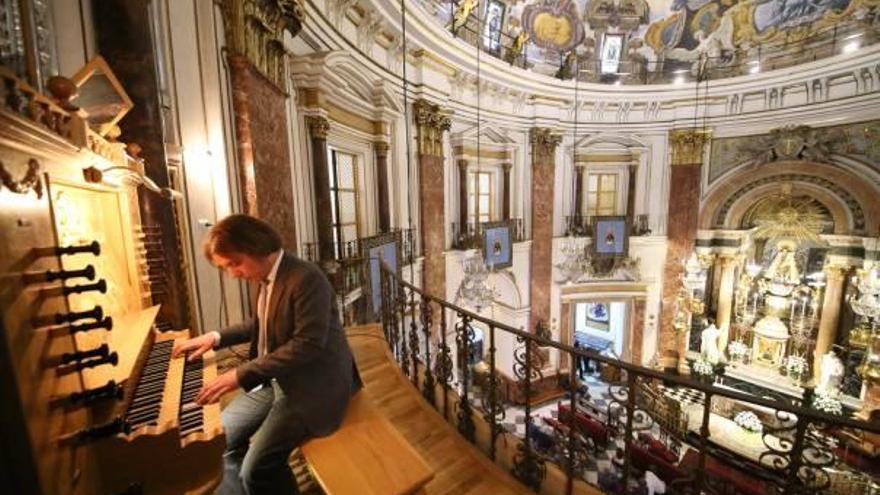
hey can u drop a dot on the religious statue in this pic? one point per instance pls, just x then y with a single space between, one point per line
517 46
462 14
831 374
709 342
567 67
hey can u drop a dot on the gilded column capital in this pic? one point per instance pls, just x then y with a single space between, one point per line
381 148
255 29
462 163
431 122
835 272
543 142
318 126
688 145
506 167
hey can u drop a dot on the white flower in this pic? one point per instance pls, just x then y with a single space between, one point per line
827 404
703 367
796 365
748 421
737 349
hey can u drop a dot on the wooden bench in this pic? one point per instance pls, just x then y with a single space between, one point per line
367 456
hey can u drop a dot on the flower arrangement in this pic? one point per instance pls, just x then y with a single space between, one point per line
748 421
703 368
795 365
827 404
737 350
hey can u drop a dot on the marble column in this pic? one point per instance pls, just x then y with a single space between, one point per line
578 191
431 122
682 216
637 330
505 206
726 263
835 282
318 128
462 196
543 146
380 149
566 332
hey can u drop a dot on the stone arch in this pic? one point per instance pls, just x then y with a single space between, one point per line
850 198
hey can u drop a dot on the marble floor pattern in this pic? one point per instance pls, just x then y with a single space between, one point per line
599 399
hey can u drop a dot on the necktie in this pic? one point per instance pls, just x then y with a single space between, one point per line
262 306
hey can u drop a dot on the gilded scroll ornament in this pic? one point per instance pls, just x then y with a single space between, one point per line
688 145
431 124
543 142
255 29
30 181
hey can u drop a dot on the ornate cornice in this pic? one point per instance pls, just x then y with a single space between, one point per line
688 145
431 123
318 126
544 143
255 29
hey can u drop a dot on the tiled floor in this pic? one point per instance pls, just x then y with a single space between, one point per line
599 400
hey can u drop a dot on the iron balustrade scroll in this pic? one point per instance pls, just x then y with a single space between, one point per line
673 423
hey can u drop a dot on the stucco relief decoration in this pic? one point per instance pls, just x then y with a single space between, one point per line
255 29
790 143
554 24
860 141
688 146
431 123
544 143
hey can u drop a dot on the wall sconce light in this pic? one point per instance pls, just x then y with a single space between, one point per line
118 175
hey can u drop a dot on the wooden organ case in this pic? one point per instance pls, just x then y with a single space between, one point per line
92 402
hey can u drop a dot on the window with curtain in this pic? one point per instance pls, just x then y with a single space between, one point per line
480 197
343 198
602 194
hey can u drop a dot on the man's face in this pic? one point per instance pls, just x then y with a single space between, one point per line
242 266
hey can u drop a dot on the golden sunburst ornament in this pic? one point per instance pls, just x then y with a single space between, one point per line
787 217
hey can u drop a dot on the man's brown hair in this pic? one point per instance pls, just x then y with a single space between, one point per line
241 234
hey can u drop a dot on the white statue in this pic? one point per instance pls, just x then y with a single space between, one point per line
709 343
831 373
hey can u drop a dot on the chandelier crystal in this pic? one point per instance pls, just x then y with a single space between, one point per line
475 290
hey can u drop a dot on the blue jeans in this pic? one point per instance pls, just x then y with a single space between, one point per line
261 431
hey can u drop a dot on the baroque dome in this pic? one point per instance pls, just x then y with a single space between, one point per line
658 41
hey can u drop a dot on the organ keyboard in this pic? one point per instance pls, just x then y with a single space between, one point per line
171 444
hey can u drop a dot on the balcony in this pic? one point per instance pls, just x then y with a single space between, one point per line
470 235
562 429
582 226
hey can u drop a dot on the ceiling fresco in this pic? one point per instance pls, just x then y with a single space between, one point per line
648 41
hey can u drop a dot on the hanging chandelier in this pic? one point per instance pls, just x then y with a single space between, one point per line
575 263
474 290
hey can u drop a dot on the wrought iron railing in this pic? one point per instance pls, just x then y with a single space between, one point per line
352 249
470 235
674 425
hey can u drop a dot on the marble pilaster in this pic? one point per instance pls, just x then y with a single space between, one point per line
682 219
431 122
543 147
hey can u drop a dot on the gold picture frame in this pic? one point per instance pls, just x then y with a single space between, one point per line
100 96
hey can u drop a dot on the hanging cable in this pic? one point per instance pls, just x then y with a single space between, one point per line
405 85
479 124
